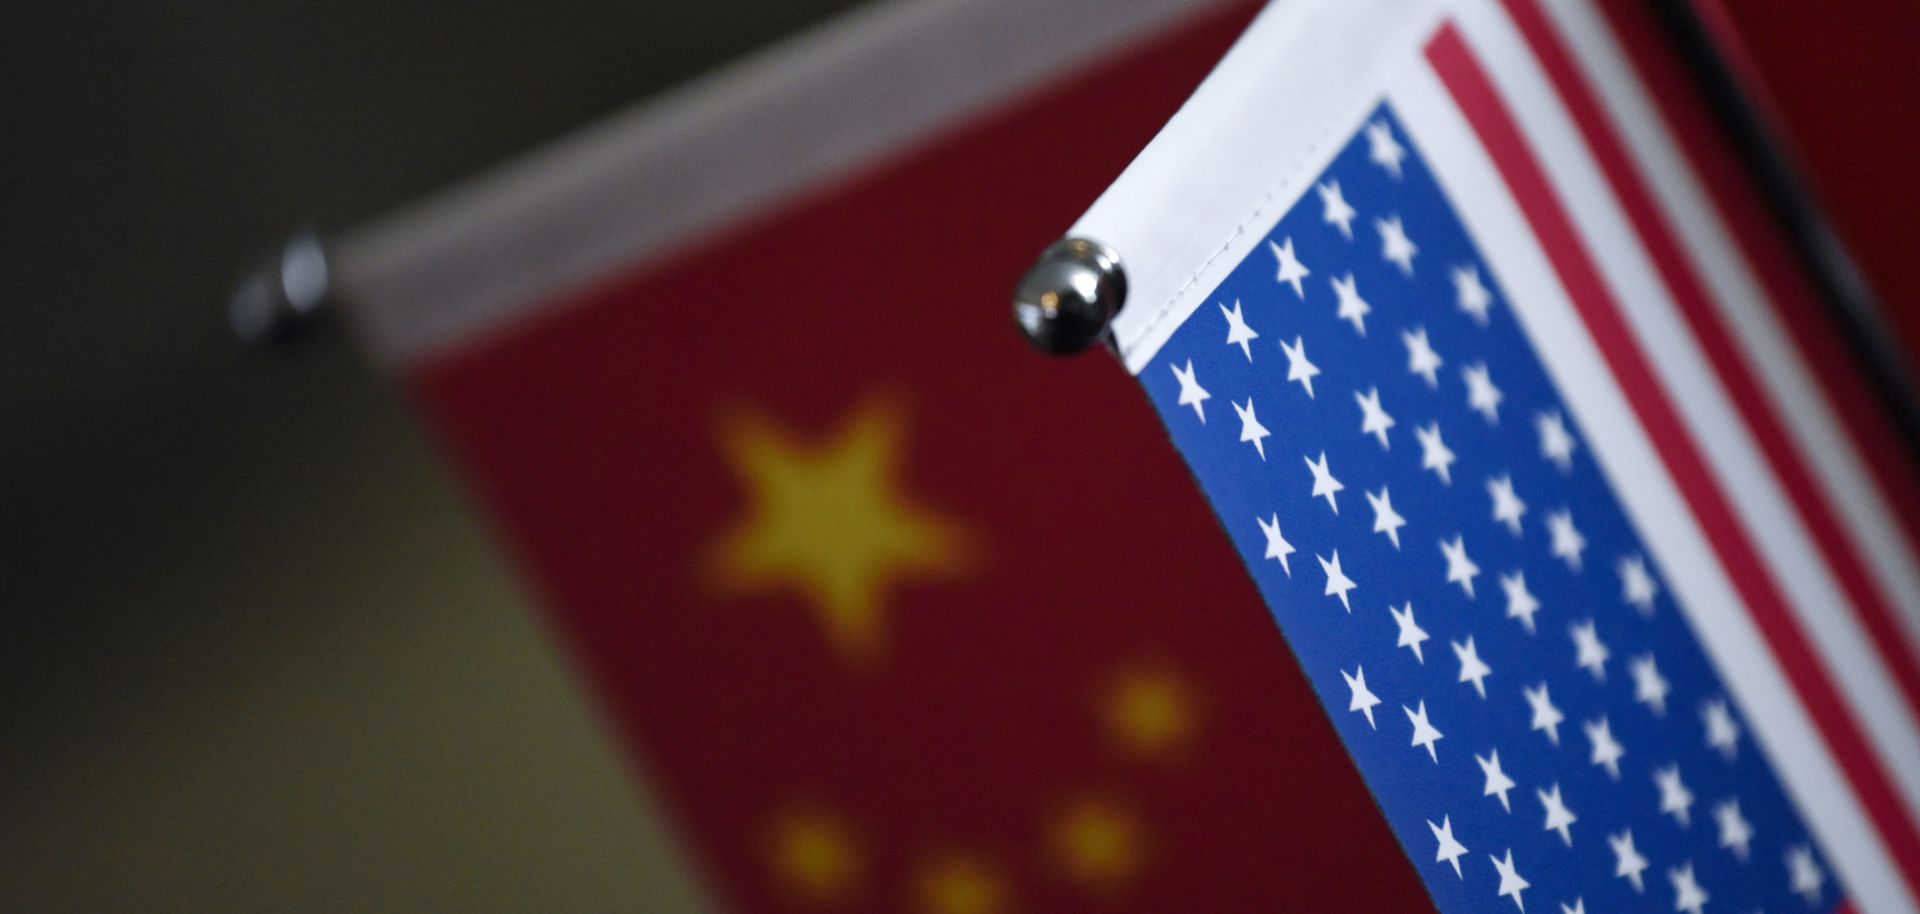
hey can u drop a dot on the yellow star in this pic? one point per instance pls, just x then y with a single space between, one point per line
1097 844
828 521
814 857
959 884
1150 712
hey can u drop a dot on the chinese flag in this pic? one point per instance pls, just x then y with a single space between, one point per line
845 562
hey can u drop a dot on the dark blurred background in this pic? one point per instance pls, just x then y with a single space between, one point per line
256 652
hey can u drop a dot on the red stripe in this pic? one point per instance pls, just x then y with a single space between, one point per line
1799 311
1537 199
1871 605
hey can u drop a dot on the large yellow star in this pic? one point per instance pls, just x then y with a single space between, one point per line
829 521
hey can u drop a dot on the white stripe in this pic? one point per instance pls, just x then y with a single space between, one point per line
663 175
1818 434
1652 499
1758 498
1181 216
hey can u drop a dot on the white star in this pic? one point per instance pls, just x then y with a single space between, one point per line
1424 733
1191 393
1277 546
1636 585
1559 817
1497 781
1606 750
1237 329
1472 668
1507 506
1804 874
1688 896
1324 485
1520 601
1421 359
1482 396
1291 269
1434 453
1649 687
1450 850
1556 443
1383 149
1511 885
1675 798
1470 294
1545 715
1353 309
1590 652
1337 212
1579 906
1298 368
1250 427
1723 733
1567 541
1628 864
1338 584
1411 634
1363 699
1460 569
1395 246
1385 519
1735 833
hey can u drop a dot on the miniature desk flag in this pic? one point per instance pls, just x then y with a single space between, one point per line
1534 442
843 562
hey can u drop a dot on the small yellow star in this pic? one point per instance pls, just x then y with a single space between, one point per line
1097 844
958 883
1150 712
829 521
814 857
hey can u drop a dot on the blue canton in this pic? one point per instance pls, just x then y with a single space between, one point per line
1487 630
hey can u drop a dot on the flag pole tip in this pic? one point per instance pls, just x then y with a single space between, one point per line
280 297
1066 301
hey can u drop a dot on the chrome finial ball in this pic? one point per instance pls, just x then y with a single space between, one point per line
1067 299
282 295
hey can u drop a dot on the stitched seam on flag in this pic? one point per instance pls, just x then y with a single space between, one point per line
1303 162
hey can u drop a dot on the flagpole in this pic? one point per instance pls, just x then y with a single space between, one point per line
1854 306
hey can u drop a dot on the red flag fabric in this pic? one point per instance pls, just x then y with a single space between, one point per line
840 558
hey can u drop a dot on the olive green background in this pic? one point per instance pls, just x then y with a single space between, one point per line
256 652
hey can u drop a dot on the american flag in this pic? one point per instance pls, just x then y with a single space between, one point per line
1586 559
